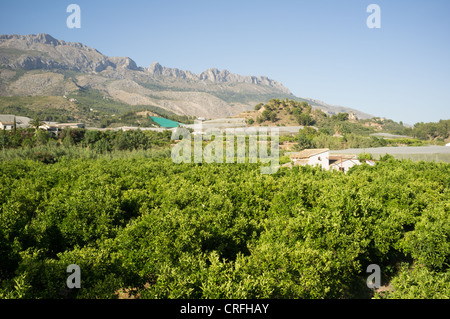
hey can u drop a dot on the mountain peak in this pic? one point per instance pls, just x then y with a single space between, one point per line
124 62
46 39
40 38
155 68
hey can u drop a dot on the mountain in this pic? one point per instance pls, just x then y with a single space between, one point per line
40 65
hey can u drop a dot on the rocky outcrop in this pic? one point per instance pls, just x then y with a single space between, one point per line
215 76
126 63
42 51
159 70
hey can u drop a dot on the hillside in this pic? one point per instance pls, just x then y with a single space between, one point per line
343 130
42 66
278 112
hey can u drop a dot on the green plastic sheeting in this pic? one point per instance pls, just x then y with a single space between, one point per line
165 122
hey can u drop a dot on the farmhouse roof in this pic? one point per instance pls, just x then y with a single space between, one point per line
6 118
308 153
21 121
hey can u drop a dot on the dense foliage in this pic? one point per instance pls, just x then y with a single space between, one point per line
310 138
101 141
438 131
432 130
165 230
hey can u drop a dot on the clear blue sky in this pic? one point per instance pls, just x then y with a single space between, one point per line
320 49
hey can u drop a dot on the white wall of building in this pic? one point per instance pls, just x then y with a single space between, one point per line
6 126
346 165
320 159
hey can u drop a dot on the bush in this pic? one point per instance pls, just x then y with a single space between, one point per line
365 156
258 106
44 157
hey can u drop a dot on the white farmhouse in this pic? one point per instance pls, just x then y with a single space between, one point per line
7 122
321 157
312 157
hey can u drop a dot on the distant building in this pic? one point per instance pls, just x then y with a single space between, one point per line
71 125
322 158
53 129
56 128
7 122
312 157
343 162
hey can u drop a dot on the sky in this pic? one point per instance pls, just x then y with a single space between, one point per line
320 49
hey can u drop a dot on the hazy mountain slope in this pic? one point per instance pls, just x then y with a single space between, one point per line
40 65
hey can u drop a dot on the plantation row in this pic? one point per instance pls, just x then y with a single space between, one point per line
100 141
165 230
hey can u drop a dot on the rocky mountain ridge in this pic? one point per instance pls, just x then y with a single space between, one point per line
215 75
40 65
58 54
